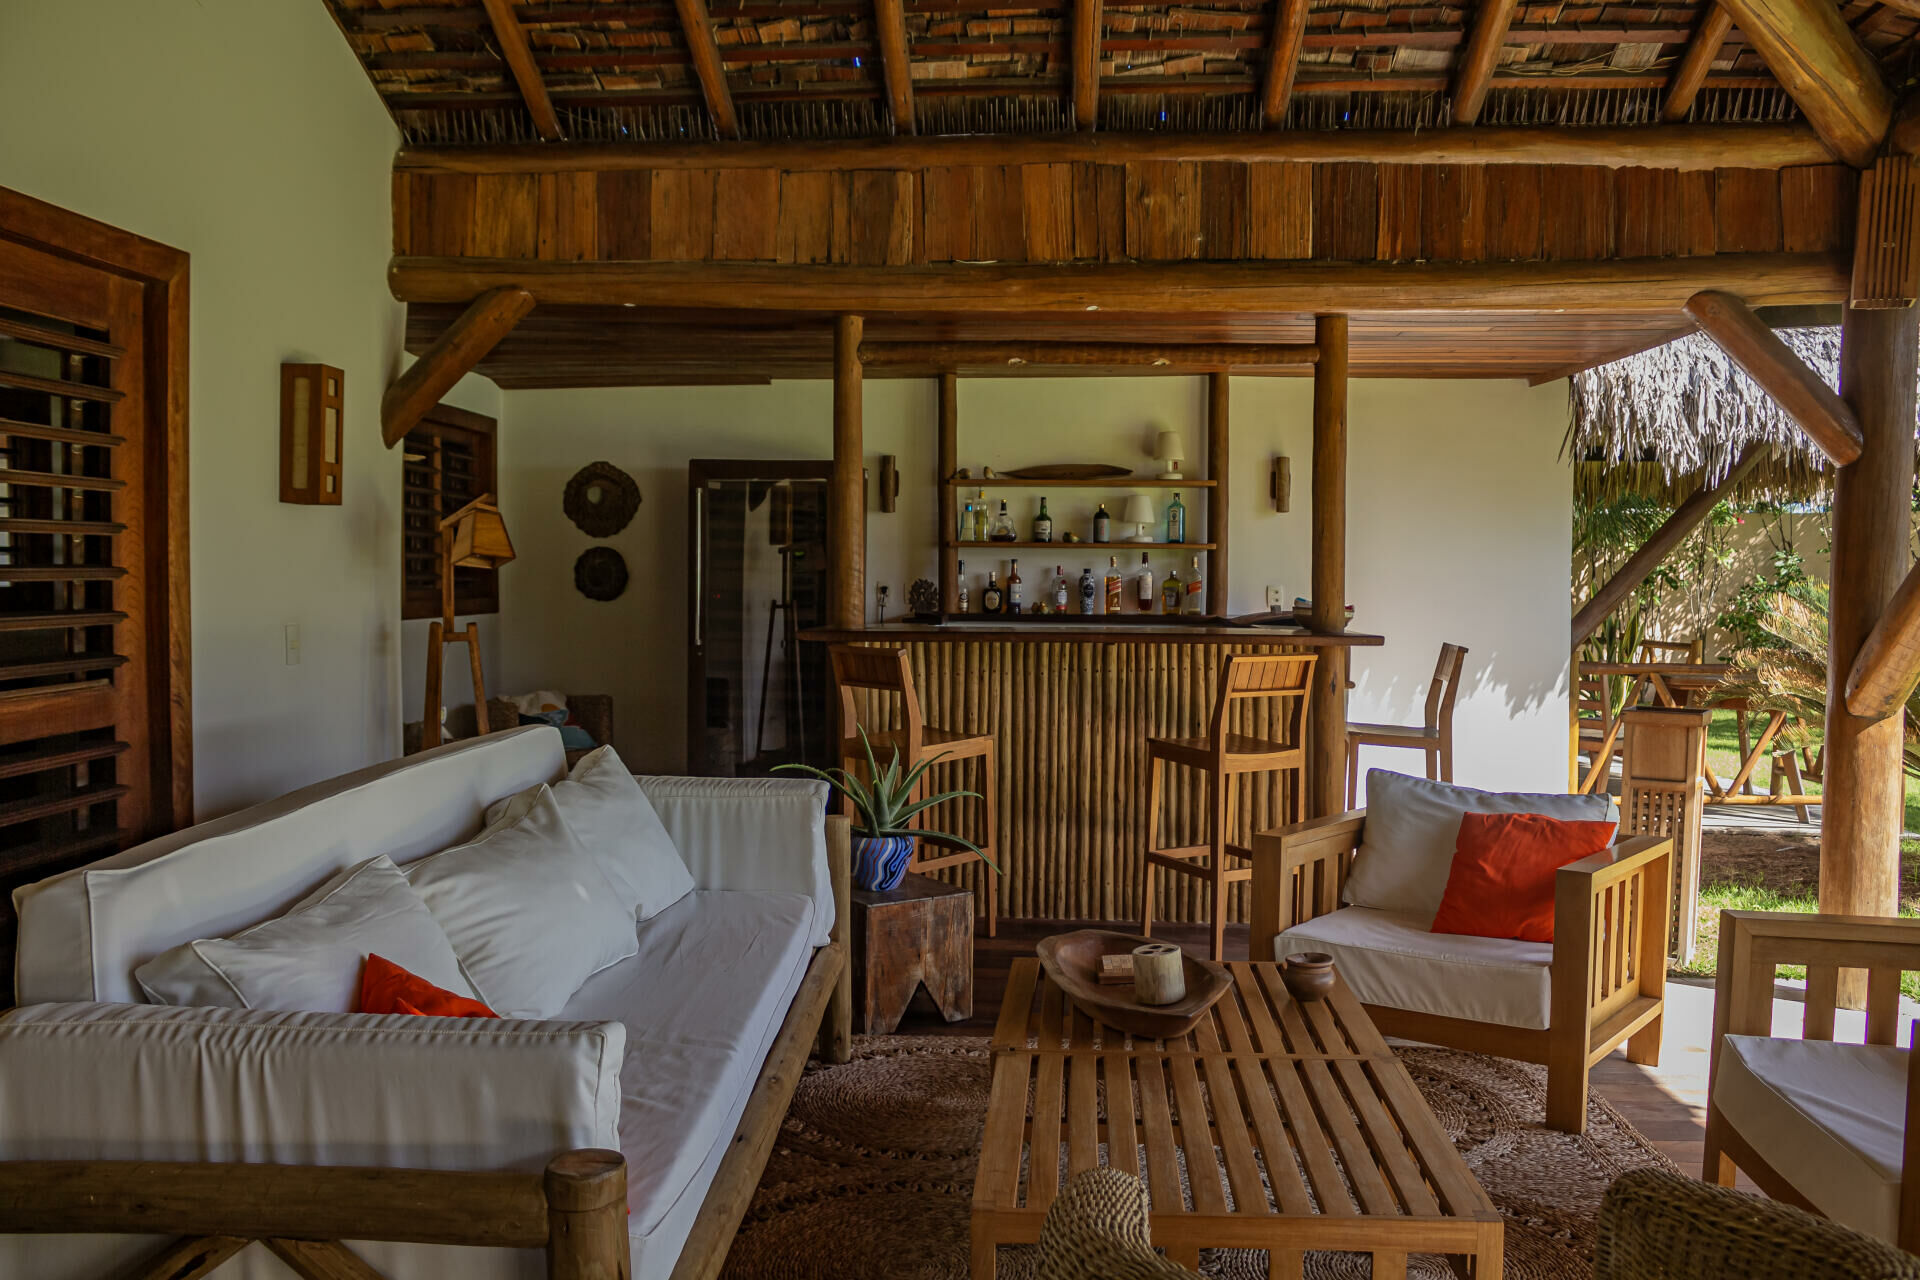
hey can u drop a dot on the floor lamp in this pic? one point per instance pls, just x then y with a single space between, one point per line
474 537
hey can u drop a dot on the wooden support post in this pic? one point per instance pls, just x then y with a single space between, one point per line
1477 61
1683 86
1824 68
1864 792
1826 419
948 463
526 73
487 319
1219 462
1685 519
1086 63
847 533
1327 760
1283 61
587 1216
890 33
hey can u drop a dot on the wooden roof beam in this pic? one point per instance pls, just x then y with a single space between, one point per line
489 318
1683 86
1815 407
704 52
1818 61
1283 61
1086 64
1168 357
519 55
896 62
1475 71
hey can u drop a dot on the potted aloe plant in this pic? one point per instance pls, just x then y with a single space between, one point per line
884 808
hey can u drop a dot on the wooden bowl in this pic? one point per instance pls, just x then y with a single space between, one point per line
1072 960
1308 975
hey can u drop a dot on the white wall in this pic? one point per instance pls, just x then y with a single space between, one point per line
243 132
1458 529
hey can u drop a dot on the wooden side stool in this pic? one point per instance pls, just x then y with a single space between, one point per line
919 934
1223 757
1435 737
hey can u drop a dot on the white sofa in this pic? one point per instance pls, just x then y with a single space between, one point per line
657 1057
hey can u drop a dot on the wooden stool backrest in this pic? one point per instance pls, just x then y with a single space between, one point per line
883 671
1446 685
1673 650
1244 676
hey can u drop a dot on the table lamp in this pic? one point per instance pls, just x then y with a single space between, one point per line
1139 511
474 537
1172 447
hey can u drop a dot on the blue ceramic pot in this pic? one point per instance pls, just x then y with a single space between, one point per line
880 862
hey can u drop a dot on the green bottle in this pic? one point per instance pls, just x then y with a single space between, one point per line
1176 521
1043 524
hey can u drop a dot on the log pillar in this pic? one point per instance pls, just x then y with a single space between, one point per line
1864 789
1327 727
847 531
948 462
1218 461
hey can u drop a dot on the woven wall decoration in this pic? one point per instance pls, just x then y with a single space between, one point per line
600 573
601 499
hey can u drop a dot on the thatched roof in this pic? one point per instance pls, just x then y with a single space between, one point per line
1659 422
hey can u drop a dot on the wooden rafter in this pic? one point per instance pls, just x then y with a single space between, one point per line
704 51
1819 62
1814 406
1283 61
519 55
489 318
1475 73
1683 86
1086 63
896 65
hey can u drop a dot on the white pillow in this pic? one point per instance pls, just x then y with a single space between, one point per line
527 910
1413 826
532 704
309 959
615 822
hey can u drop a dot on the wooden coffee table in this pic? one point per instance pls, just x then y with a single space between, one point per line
1354 1159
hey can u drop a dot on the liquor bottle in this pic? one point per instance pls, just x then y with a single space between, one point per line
1100 522
1013 586
980 517
960 592
1113 584
1059 589
1173 594
1043 523
990 598
1089 593
965 532
1003 530
1143 585
1176 520
1195 600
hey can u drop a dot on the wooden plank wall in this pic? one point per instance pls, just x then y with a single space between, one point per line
1151 211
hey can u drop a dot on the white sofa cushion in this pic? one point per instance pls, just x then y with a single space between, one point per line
615 822
1413 825
527 910
1388 958
1829 1117
761 835
311 957
702 998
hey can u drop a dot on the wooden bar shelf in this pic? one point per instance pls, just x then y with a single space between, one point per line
953 545
1096 482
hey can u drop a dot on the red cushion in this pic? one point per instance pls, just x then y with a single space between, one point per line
387 988
1501 882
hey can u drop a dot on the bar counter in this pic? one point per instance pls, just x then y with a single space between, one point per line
1071 706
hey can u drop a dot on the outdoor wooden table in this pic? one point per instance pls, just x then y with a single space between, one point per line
1353 1158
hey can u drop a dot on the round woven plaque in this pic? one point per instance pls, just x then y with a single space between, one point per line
601 499
600 573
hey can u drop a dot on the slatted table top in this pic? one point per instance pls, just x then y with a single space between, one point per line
1315 1137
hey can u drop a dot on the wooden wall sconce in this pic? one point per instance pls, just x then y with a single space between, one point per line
311 400
889 483
1280 484
474 537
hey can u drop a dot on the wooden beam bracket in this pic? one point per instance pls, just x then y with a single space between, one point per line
489 318
1803 394
1888 667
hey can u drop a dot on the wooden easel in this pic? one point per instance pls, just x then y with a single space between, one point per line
472 537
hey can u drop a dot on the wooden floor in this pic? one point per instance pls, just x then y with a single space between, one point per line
1666 1103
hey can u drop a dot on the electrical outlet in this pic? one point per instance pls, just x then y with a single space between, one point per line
1277 597
293 644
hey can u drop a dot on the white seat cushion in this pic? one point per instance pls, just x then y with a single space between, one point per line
1388 958
702 1000
1830 1118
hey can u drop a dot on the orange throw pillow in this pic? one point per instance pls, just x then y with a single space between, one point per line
387 988
1501 882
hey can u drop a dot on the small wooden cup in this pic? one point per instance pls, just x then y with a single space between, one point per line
1159 973
1308 975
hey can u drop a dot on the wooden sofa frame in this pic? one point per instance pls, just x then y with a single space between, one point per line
1610 913
1752 945
576 1210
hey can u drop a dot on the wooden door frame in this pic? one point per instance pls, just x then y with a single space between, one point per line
162 273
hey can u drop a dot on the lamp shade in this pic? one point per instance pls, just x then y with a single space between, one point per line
1172 446
1139 510
479 536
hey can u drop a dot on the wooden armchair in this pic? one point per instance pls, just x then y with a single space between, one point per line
1817 1123
1606 972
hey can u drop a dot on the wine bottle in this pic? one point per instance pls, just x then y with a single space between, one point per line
1100 524
1043 523
1172 594
1143 585
1176 520
960 592
1003 530
1059 589
1013 587
990 598
1113 584
1089 593
1195 601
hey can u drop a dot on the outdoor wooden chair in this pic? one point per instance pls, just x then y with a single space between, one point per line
1434 736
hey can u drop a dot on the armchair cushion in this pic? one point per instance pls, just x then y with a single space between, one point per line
1389 958
1830 1117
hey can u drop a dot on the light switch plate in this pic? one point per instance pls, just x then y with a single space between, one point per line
293 644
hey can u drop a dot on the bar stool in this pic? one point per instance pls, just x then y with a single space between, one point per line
1224 756
885 671
1435 737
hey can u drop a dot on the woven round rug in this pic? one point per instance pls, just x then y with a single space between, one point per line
873 1173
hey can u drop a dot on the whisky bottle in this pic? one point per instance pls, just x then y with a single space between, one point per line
1043 523
980 517
1172 594
1143 585
1176 520
1101 521
960 592
990 598
1113 585
1014 586
1003 530
1059 589
1195 600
